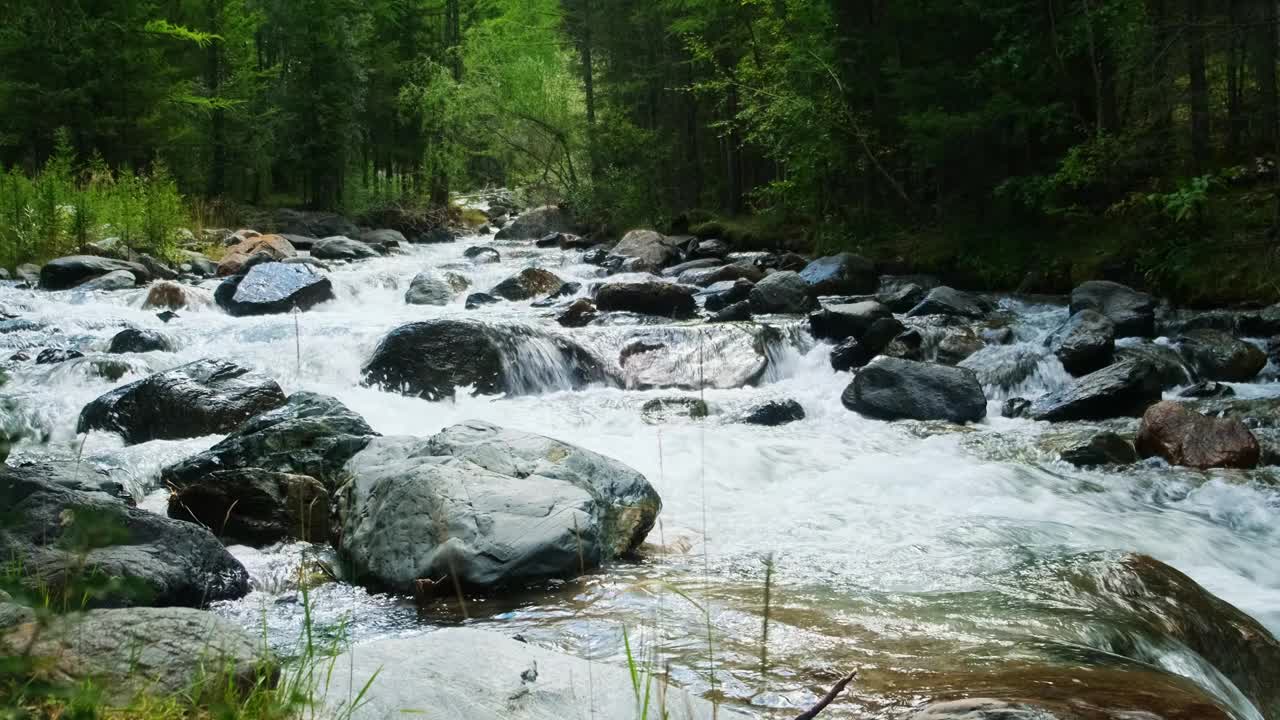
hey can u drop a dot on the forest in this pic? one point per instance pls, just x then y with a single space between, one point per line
1012 144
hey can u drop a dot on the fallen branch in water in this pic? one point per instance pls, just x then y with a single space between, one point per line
835 691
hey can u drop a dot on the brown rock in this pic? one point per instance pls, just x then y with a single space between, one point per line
237 255
1183 436
175 296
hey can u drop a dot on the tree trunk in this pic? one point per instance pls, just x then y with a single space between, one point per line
1199 86
1264 74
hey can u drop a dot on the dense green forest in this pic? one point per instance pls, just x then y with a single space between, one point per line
1134 138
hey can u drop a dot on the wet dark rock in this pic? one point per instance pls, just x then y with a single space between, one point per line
427 288
1125 389
1165 360
201 398
272 288
644 251
949 301
1085 343
957 345
527 284
901 298
1132 312
648 298
301 242
68 272
1091 448
1260 323
783 292
255 507
135 340
893 389
51 530
1182 436
579 314
536 223
737 312
383 240
548 510
908 345
19 356
838 322
175 296
167 316
1015 407
1218 356
482 255
662 409
117 280
702 277
1207 389
712 248
774 413
997 336
841 274
158 269
476 300
314 224
718 296
50 356
856 352
311 434
596 256
342 248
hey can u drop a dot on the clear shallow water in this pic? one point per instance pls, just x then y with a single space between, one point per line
893 545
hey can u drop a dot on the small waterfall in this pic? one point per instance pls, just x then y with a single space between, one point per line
1023 369
536 362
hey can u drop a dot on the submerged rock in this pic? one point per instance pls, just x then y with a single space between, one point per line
579 314
134 340
1218 356
1133 313
487 507
1125 389
1085 343
482 255
51 356
200 398
478 300
427 288
273 288
1183 436
659 410
652 297
75 270
893 389
774 413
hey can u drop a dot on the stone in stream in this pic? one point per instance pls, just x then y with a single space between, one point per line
1133 313
480 674
176 296
427 288
900 298
1167 363
957 344
75 270
579 314
482 255
1090 448
314 224
486 507
1207 389
783 292
527 284
718 296
158 269
343 248
856 352
1085 343
893 389
699 264
51 356
711 248
852 320
275 247
256 507
536 223
384 239
312 435
430 359
652 297
841 274
1015 407
128 653
1125 389
774 413
96 547
1218 356
273 288
201 398
951 302
135 340
737 312
1183 436
478 300
116 280
301 242
643 251
705 277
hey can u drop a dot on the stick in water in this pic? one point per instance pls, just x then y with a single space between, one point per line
839 687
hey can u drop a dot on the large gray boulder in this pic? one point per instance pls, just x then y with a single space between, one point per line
487 507
205 397
1125 389
1217 356
893 389
89 546
537 223
841 274
949 301
74 270
783 292
271 288
480 675
653 297
340 247
643 251
130 652
428 288
1132 312
1085 343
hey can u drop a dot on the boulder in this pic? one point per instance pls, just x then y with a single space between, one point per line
170 295
301 242
1085 343
1169 367
737 312
660 410
1133 313
476 300
1218 356
1183 436
272 288
314 224
92 547
431 359
1090 448
480 674
482 255
486 507
275 247
68 272
856 352
384 239
51 356
312 435
644 251
774 413
158 269
528 284
1125 389
579 314
900 298
957 345
537 223
838 322
702 277
652 297
1015 407
135 340
842 274
427 288
115 280
951 302
893 389
205 397
698 264
255 507
128 653
342 248
783 292
718 296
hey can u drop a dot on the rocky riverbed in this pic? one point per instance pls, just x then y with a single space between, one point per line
991 506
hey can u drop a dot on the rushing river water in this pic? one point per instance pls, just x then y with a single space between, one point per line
909 550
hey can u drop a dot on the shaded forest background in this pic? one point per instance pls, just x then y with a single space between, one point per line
1015 143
